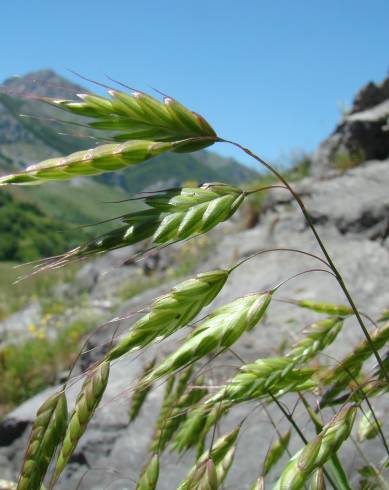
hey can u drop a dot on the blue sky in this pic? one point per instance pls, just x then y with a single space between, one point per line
271 75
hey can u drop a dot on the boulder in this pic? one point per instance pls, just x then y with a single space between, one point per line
362 134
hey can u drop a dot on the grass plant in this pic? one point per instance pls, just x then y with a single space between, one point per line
141 127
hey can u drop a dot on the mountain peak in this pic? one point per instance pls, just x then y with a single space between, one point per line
44 82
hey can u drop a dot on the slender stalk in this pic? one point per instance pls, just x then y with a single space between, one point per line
339 473
321 244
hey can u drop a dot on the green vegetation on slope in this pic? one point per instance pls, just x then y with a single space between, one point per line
31 365
27 233
14 296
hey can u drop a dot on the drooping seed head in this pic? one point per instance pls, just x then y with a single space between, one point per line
368 427
172 215
318 336
172 311
317 480
224 466
275 452
277 375
87 401
194 210
179 409
47 433
220 330
316 453
149 476
140 392
349 368
140 116
259 484
221 455
327 308
104 158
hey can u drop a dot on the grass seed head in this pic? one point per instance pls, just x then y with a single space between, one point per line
172 215
316 453
104 158
221 329
87 401
47 432
317 480
275 452
178 414
194 210
277 375
224 466
158 437
368 428
221 456
140 392
172 311
150 473
259 484
318 336
350 367
140 116
327 308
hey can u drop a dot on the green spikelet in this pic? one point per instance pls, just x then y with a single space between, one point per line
221 329
47 432
172 311
319 335
140 392
194 210
220 456
178 412
172 215
139 226
203 478
140 116
144 126
188 435
327 308
87 401
212 417
183 381
157 440
368 428
150 473
175 412
104 158
315 454
275 452
258 484
224 466
351 365
275 374
195 429
317 480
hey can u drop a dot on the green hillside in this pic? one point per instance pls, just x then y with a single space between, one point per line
27 233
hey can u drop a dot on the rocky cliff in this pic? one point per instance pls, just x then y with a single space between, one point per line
362 134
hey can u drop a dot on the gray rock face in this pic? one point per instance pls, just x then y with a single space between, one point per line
351 212
371 95
361 135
